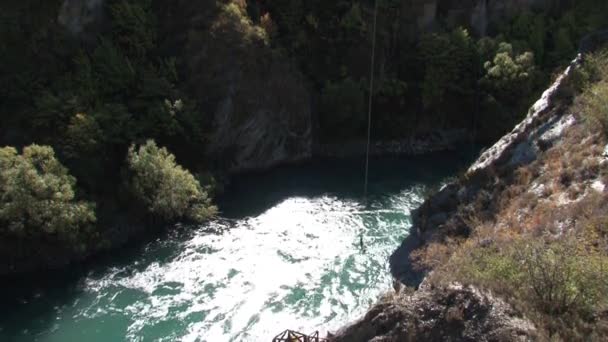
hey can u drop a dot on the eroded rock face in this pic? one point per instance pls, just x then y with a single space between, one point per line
79 15
521 145
259 104
263 119
545 124
454 313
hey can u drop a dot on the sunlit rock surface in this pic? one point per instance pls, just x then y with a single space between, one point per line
521 145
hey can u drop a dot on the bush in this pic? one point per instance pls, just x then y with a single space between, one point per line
509 77
83 136
593 102
37 196
560 283
449 70
168 191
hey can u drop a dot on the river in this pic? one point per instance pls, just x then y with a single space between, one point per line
285 253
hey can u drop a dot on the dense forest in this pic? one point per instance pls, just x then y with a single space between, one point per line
111 126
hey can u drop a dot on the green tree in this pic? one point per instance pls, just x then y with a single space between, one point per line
168 191
529 31
37 196
449 70
352 21
564 45
508 88
343 108
509 77
83 136
134 26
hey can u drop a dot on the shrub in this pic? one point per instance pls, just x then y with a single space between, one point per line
593 102
37 196
83 136
449 68
508 77
134 26
560 283
168 191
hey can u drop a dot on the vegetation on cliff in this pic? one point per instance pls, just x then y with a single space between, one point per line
536 234
90 100
165 188
430 81
37 198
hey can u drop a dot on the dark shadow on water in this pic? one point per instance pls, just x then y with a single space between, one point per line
253 193
38 298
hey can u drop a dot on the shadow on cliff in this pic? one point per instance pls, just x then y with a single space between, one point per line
400 264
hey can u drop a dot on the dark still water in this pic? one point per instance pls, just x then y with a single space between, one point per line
287 255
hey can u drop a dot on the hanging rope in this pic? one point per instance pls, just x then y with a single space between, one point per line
371 98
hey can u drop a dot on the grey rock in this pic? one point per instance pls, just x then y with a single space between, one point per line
518 146
454 313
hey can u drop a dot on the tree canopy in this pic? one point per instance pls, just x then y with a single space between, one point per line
37 196
169 191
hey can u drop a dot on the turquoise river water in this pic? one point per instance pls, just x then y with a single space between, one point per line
285 253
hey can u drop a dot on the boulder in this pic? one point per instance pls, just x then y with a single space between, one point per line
453 313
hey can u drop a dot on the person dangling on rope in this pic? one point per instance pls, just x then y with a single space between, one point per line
361 244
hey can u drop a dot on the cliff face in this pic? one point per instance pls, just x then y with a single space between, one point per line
542 179
257 105
546 124
260 104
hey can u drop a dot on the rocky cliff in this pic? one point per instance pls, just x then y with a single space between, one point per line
545 125
542 180
455 313
258 106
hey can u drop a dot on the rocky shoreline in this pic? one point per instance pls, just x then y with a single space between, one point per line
437 141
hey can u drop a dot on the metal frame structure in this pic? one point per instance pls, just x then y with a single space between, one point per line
294 336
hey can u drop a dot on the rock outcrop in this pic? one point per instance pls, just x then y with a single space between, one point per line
259 105
416 145
455 313
544 125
